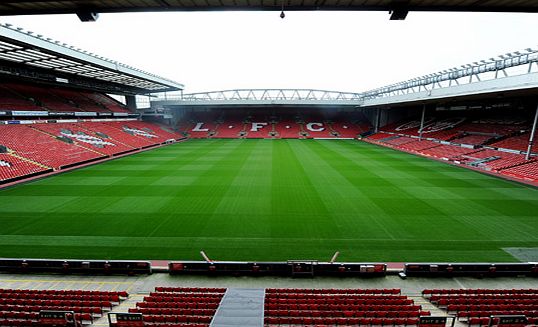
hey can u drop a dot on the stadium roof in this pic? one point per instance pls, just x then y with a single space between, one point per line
86 8
34 51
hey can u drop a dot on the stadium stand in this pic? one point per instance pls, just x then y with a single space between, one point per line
83 134
342 307
517 142
44 148
10 100
12 167
476 306
180 306
232 127
79 100
44 98
488 144
26 97
106 101
271 125
23 307
523 171
41 146
287 129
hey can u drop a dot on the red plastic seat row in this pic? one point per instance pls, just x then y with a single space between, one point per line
470 314
495 307
484 321
147 324
394 291
186 295
10 315
479 301
409 305
341 307
469 298
174 311
34 308
349 313
178 305
190 290
338 300
177 319
38 296
122 294
478 291
341 321
57 303
336 296
182 299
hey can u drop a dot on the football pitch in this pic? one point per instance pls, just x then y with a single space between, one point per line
264 200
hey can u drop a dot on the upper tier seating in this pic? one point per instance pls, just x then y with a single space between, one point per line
24 97
475 306
22 307
106 101
180 306
342 307
43 148
80 100
44 97
10 100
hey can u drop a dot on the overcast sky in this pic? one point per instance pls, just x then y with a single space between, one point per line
343 51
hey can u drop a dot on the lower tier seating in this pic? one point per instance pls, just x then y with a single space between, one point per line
187 306
501 162
12 167
340 307
23 307
38 147
44 148
476 306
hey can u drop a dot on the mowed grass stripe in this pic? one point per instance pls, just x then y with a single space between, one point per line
269 200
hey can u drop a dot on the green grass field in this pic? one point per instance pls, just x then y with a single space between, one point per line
270 200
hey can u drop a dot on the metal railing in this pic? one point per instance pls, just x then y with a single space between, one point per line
266 95
510 64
